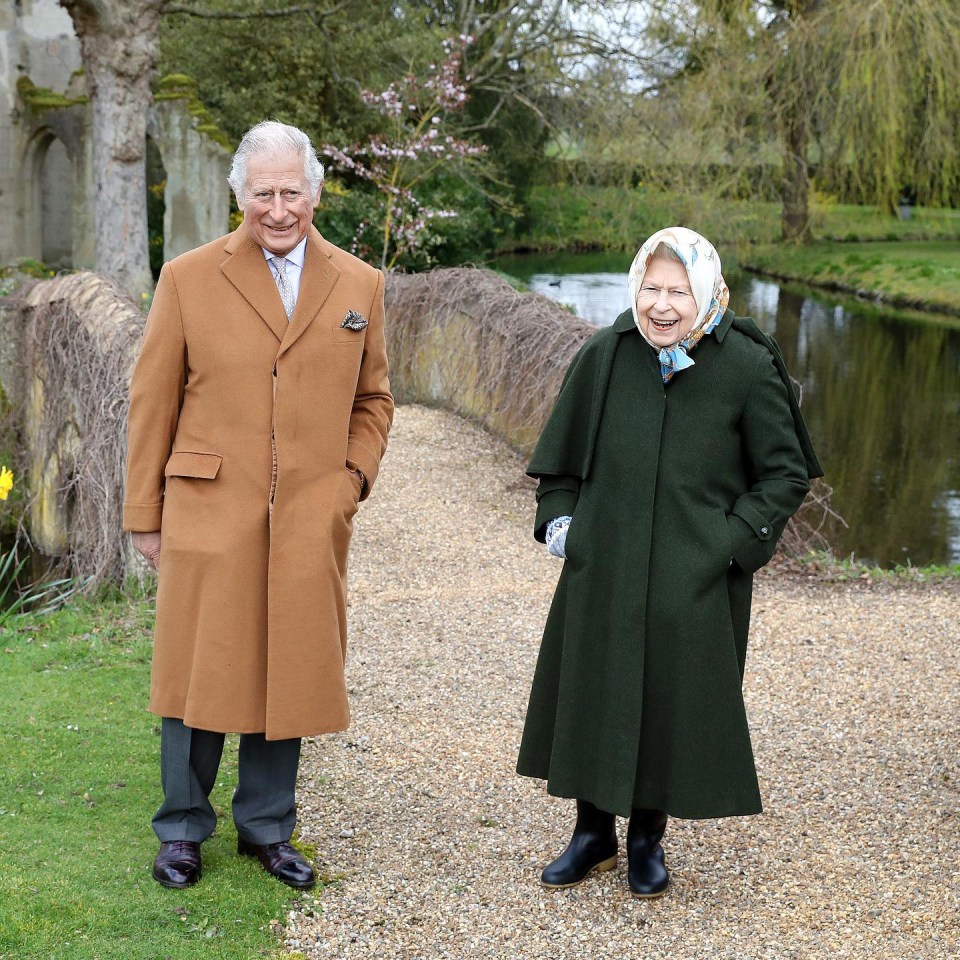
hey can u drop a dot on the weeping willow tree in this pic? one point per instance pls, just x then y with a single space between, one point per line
861 97
870 92
889 118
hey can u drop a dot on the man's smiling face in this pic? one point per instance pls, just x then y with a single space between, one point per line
277 203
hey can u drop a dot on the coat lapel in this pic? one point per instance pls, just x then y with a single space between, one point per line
248 271
317 280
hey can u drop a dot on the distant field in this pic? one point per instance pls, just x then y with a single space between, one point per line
610 218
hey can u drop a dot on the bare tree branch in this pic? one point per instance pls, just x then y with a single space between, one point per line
309 9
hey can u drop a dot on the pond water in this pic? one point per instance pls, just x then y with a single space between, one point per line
881 396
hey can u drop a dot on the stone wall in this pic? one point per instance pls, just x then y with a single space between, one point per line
47 181
461 339
197 196
36 42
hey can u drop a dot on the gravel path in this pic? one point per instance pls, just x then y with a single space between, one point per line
434 844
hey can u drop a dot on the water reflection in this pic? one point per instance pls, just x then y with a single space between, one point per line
881 396
594 285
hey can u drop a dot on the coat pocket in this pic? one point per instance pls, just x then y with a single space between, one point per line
343 335
184 463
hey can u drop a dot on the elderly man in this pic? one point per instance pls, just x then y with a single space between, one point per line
259 413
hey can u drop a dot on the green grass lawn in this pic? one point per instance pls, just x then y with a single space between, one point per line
905 272
79 782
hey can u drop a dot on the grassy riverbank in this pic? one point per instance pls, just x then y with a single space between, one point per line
907 274
78 786
911 262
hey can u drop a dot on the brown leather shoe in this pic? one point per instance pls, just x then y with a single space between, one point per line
177 864
282 861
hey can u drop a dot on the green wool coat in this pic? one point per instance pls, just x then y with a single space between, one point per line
636 698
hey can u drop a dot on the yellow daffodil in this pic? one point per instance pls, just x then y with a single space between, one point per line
6 482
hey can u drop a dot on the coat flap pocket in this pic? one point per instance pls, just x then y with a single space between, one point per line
762 527
184 463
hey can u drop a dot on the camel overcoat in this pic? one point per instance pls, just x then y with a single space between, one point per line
636 699
243 430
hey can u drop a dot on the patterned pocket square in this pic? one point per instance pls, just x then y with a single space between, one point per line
354 321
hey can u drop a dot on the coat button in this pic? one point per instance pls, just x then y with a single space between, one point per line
764 530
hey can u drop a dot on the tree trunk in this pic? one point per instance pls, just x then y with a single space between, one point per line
793 98
795 214
118 42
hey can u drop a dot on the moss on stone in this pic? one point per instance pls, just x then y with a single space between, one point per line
28 267
179 86
179 82
212 131
42 98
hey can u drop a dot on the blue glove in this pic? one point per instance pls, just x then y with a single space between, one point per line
557 536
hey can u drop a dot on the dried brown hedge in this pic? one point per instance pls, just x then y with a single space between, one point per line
80 335
465 340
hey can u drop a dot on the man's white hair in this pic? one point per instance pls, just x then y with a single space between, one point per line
274 139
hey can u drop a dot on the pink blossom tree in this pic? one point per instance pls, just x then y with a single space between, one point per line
420 142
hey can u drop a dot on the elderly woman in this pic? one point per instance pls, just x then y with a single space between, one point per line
668 469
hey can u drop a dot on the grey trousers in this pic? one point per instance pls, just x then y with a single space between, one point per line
264 807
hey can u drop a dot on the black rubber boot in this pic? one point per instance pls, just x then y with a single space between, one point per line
593 846
646 871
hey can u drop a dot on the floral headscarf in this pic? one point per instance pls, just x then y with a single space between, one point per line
709 290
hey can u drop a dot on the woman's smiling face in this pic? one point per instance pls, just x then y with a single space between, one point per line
666 307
